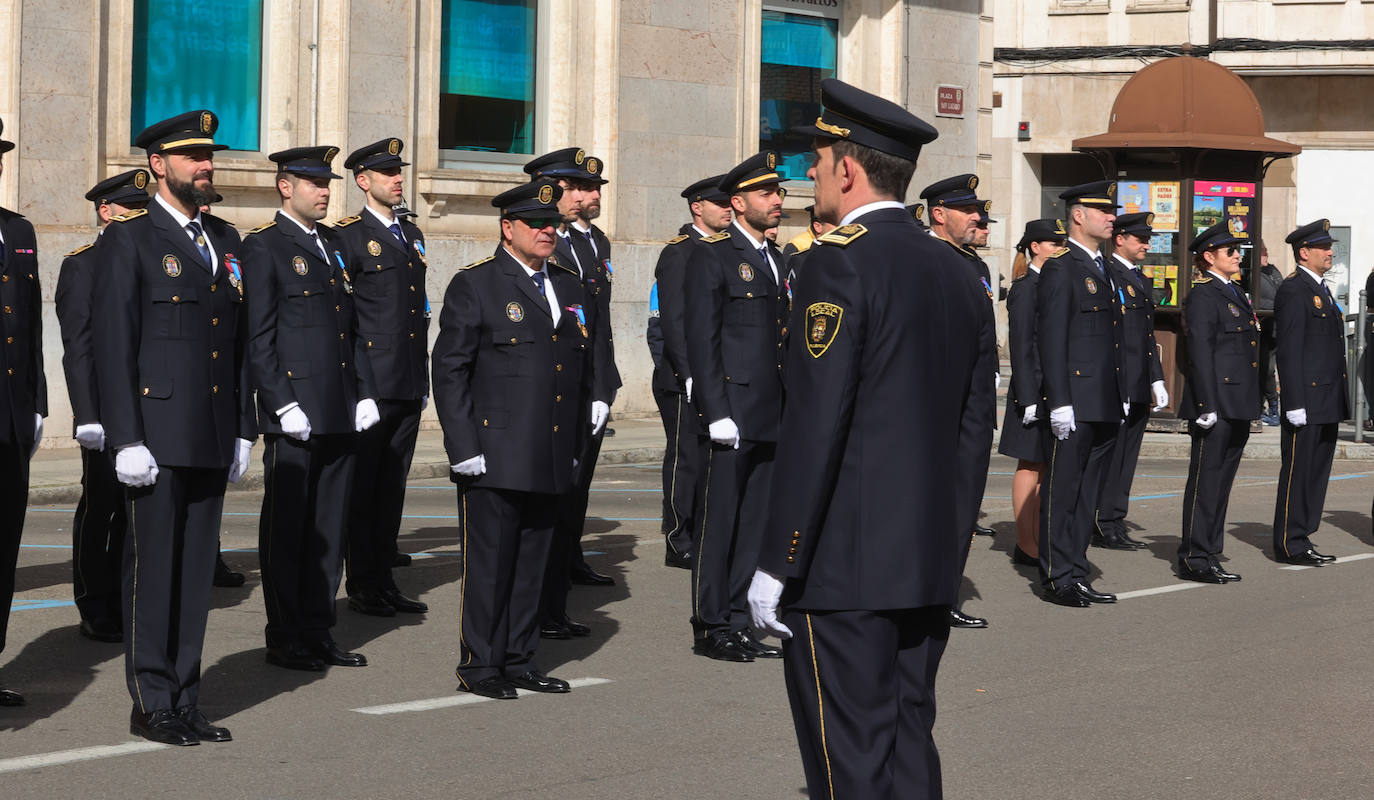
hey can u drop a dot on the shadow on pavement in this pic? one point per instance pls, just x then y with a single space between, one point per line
586 603
40 576
51 671
1354 523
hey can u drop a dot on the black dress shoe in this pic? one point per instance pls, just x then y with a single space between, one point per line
1112 542
226 578
202 727
401 560
400 602
536 681
584 575
1092 595
679 560
1200 575
295 657
1022 558
163 726
10 698
1136 543
495 687
979 530
1307 558
370 602
576 628
1322 556
1221 573
553 629
1067 596
330 653
721 646
101 631
958 619
750 644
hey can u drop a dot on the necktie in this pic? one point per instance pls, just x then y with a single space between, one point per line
201 244
1101 268
315 237
591 242
395 229
1230 285
538 279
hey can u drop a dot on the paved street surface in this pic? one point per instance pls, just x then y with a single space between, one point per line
1253 690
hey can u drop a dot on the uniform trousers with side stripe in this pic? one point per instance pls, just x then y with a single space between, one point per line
1212 466
1304 470
1068 500
732 516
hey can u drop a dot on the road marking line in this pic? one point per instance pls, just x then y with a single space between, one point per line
1341 560
73 756
462 699
1173 587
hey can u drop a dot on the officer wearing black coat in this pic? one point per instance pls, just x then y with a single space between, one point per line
315 390
1143 373
386 262
508 364
99 525
737 308
1021 440
888 360
23 394
1311 358
1220 398
710 210
1078 331
175 403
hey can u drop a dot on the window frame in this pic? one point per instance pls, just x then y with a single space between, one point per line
779 7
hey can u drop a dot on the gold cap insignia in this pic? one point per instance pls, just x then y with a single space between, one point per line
973 181
546 194
514 312
394 147
1111 189
140 179
987 206
171 266
1091 284
330 153
1059 227
834 130
579 157
822 326
374 248
1150 219
207 122
772 160
593 166
1326 224
299 265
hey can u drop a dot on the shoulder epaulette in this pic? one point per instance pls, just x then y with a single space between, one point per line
681 237
843 235
346 221
1204 279
556 263
716 237
78 251
970 252
264 226
1063 251
128 215
476 263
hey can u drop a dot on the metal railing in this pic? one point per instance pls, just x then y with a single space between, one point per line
1358 402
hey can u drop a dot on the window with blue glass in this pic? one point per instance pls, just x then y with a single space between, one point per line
799 51
191 54
486 85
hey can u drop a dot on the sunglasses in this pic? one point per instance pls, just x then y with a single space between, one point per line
541 222
1229 250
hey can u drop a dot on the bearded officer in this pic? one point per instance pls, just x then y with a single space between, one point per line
386 254
507 371
315 392
176 407
1310 327
23 393
888 372
99 525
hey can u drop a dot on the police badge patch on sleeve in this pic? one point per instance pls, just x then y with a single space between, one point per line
822 325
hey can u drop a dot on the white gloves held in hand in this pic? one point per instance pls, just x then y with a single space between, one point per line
134 465
689 390
91 436
765 592
1161 395
1030 415
471 467
242 449
600 413
1062 422
366 415
294 423
1297 417
724 431
1206 421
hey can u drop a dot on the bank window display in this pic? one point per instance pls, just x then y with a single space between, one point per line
798 52
487 76
219 42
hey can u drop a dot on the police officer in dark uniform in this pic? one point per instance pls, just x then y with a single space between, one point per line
1311 357
1220 398
1078 332
887 360
23 393
315 391
177 411
1143 373
736 315
507 371
99 526
709 208
386 254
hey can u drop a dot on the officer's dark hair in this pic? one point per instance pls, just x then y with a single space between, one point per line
887 174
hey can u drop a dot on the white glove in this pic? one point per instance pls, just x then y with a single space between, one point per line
135 466
997 381
1206 421
600 413
424 402
1126 409
37 433
1161 395
1297 417
295 424
1030 415
366 415
91 436
242 449
764 593
1061 422
689 390
724 431
472 467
